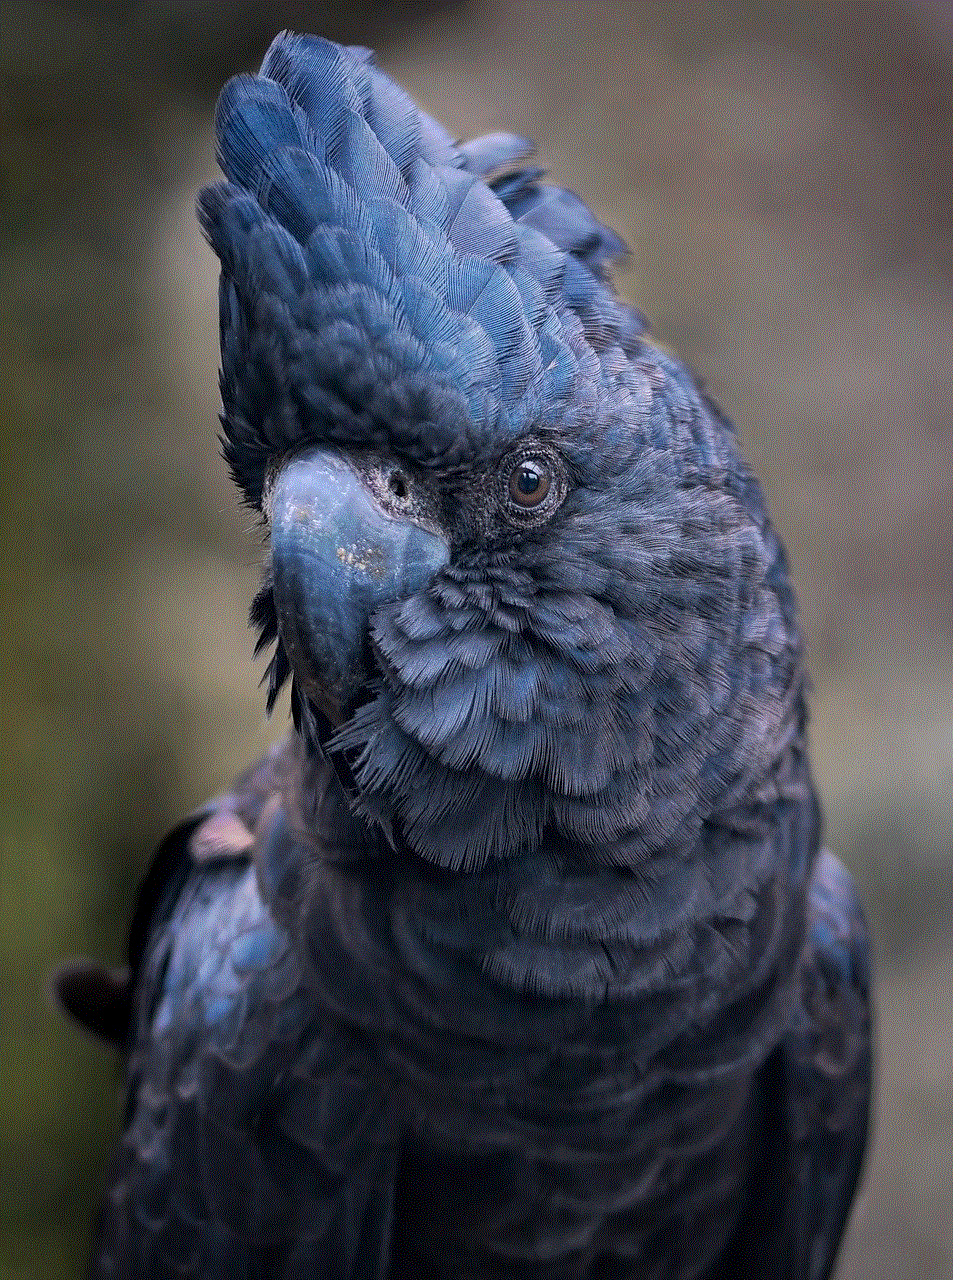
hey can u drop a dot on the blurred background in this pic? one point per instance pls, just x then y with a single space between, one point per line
782 172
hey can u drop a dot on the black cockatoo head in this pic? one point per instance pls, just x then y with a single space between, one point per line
519 576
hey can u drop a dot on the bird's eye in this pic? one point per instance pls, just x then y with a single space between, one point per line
530 482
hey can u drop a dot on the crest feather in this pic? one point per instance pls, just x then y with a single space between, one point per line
358 241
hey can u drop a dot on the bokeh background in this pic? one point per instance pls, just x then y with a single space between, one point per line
782 172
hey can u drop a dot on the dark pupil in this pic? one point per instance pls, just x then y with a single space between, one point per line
529 480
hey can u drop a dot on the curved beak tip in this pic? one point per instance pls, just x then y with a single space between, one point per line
337 557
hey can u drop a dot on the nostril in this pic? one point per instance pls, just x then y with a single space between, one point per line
397 484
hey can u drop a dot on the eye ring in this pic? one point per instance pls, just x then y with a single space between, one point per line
530 482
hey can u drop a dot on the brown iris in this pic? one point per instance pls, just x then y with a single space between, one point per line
530 482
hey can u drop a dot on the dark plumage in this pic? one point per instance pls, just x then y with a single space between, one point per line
519 958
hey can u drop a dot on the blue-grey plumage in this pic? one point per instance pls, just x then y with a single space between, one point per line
519 958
